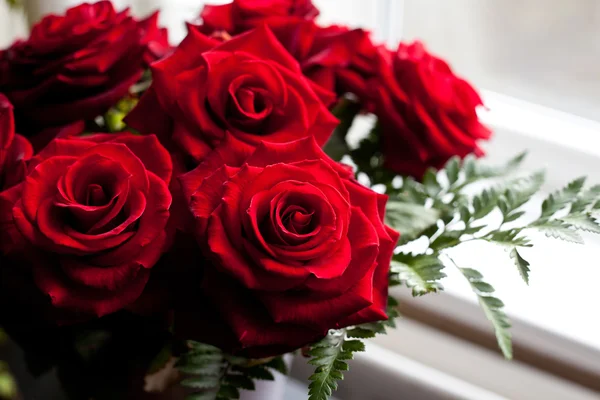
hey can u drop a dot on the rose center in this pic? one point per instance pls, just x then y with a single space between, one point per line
298 220
95 195
251 105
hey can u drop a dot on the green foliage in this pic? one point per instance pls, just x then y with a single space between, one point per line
521 263
409 218
331 354
492 307
219 376
558 200
420 272
461 203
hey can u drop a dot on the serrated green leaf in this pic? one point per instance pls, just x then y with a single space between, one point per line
203 348
329 357
484 203
582 222
200 358
520 190
259 372
361 333
514 216
469 166
586 200
509 238
521 263
210 369
471 274
493 309
278 364
420 272
452 169
482 287
353 346
410 219
447 240
227 392
559 230
560 199
201 382
217 375
430 181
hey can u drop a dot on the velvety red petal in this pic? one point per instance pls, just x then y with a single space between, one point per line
261 43
150 225
86 300
41 183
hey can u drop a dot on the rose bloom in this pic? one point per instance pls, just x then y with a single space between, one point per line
336 58
241 15
249 87
426 113
92 212
294 246
75 67
14 149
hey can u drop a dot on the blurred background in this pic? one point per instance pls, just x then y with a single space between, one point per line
537 63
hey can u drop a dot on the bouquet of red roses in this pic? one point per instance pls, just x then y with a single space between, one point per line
183 212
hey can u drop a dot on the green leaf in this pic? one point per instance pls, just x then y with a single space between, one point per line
218 376
508 238
201 382
586 200
227 392
361 333
582 222
209 369
259 372
419 272
558 230
329 357
452 169
278 364
410 219
484 203
521 263
492 307
430 181
560 199
520 190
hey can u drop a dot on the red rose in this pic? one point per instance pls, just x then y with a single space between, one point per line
75 66
295 245
248 86
336 58
93 212
14 149
154 38
242 15
426 113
